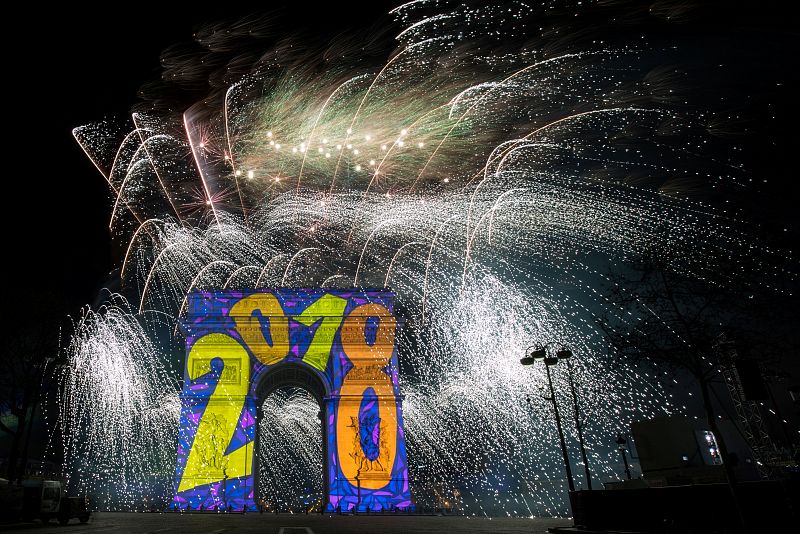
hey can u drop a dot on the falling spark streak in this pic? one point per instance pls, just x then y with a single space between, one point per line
89 156
366 244
289 265
143 144
208 198
485 95
364 99
396 254
491 219
129 173
230 149
394 145
237 271
151 273
326 282
133 241
194 281
115 161
268 264
428 265
471 239
316 121
97 166
421 23
511 149
403 6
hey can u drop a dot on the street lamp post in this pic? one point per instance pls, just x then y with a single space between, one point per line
541 354
578 425
621 442
567 467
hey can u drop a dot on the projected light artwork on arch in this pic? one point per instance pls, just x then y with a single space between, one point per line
343 341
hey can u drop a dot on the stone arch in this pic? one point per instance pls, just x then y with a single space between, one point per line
339 344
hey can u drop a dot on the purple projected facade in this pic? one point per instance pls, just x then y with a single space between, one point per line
339 344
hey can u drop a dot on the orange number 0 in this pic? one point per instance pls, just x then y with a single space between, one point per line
249 326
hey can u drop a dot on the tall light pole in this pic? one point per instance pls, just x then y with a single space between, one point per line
541 354
565 354
621 442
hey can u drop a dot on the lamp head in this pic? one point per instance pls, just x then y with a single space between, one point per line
539 354
564 354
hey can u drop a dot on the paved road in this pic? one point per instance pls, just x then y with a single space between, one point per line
288 524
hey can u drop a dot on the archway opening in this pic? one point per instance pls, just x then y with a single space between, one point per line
290 444
290 452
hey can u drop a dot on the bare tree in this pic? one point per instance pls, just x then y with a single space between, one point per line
25 352
666 314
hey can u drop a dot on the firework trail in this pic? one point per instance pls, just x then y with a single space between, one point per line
489 186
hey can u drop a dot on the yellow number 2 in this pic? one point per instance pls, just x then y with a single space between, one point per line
207 461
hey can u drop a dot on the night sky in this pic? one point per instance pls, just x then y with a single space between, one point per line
57 238
89 72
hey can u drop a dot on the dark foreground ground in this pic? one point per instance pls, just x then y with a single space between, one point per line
289 524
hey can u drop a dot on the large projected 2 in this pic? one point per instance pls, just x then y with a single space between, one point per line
338 343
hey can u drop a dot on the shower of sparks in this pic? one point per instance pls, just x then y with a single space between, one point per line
290 452
489 188
120 408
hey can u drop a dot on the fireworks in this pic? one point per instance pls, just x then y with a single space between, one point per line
290 451
489 187
121 408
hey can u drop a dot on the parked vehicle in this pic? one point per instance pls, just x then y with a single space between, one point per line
41 499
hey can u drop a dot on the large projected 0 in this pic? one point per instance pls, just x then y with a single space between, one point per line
338 343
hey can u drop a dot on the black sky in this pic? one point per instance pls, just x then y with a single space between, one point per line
58 205
57 240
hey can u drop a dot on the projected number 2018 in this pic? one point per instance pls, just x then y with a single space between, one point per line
347 338
327 310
